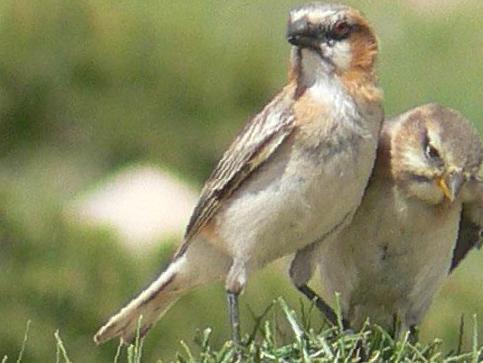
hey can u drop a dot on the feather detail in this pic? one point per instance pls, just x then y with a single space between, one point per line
471 224
252 147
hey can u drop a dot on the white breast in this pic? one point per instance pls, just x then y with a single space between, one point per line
392 258
301 193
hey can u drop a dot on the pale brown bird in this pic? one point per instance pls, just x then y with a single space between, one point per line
295 172
421 213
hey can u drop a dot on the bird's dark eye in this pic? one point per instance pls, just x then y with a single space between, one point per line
340 30
431 152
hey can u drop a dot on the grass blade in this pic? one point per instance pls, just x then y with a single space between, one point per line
24 343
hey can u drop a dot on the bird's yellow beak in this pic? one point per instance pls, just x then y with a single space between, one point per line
450 184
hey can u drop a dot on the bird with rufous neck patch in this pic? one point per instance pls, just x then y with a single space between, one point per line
294 175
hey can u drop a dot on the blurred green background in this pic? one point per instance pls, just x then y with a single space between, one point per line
88 87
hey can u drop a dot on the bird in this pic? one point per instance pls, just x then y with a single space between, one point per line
421 213
294 173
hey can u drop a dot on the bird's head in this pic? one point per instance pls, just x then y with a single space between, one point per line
434 152
331 38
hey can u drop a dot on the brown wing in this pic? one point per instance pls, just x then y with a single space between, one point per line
253 145
471 224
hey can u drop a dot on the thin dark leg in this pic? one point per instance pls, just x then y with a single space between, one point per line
329 313
234 317
396 325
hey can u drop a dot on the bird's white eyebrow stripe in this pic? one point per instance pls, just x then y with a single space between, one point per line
310 13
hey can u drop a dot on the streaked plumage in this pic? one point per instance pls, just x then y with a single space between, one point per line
255 143
312 146
421 213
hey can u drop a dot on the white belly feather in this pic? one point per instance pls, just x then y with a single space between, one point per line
285 208
303 192
391 259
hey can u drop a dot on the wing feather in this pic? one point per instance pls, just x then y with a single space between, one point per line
471 224
251 148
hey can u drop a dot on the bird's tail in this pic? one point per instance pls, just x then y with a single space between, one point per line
198 265
145 310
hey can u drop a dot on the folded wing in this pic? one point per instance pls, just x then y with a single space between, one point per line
251 148
471 223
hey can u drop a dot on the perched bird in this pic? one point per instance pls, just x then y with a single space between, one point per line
295 172
421 213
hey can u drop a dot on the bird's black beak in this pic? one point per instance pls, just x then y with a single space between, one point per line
451 184
302 34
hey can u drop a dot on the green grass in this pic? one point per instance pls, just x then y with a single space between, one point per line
300 342
88 87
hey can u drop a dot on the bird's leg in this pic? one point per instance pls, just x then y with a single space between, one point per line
396 325
328 312
234 317
234 284
301 271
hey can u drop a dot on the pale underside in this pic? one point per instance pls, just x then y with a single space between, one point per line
393 258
